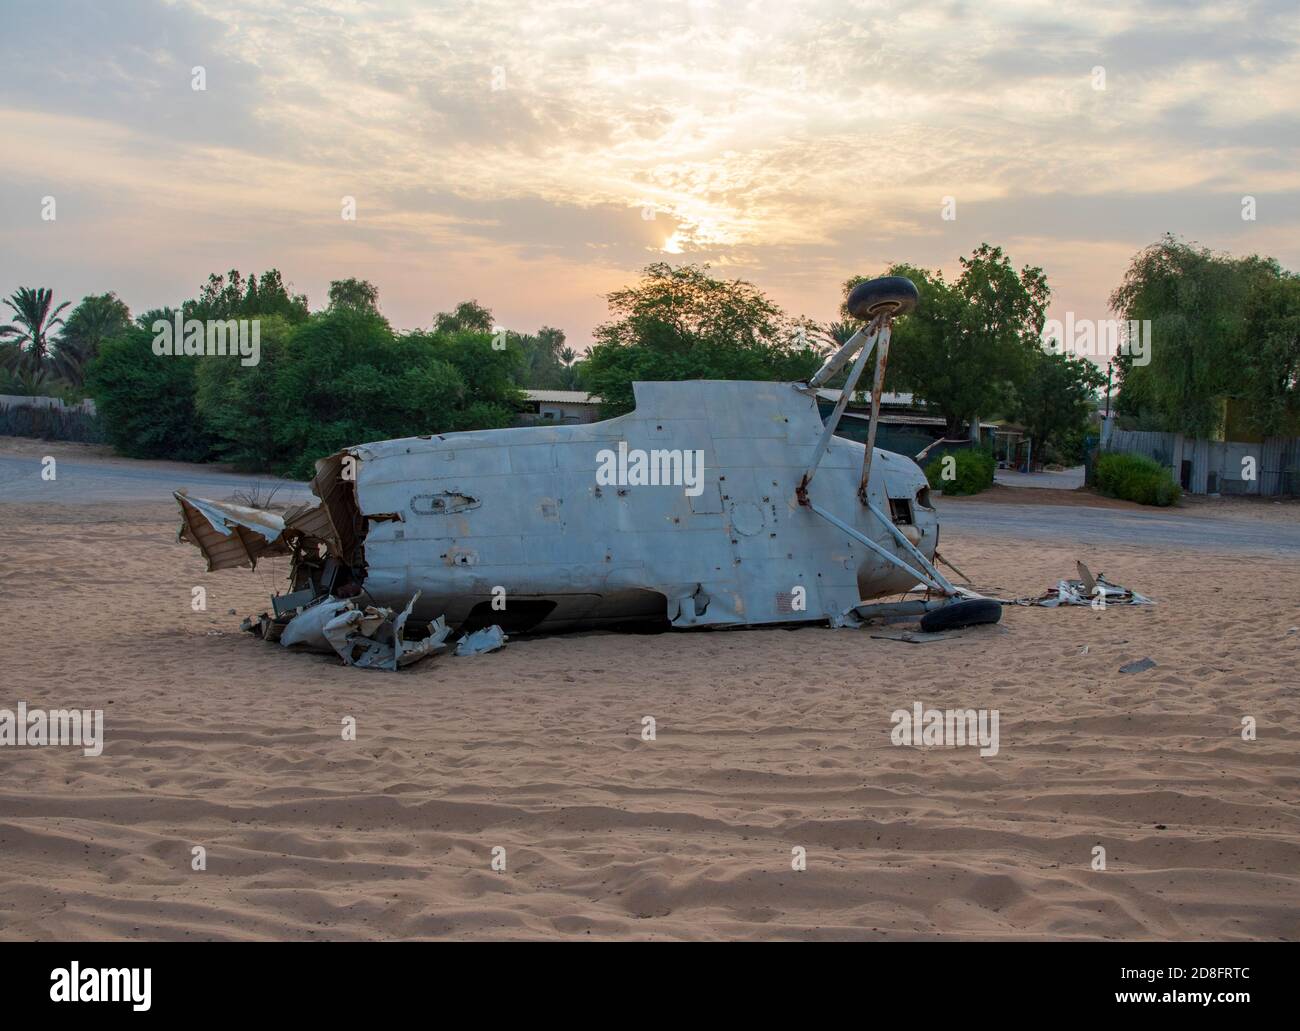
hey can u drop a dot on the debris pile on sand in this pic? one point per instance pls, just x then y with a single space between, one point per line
372 637
1096 591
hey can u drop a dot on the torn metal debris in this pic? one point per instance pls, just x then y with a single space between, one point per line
370 637
480 642
1087 590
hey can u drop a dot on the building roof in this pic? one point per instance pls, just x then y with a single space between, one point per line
566 397
913 420
579 397
892 400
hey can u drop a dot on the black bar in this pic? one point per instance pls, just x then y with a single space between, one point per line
934 979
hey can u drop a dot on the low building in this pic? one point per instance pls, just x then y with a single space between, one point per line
559 407
905 427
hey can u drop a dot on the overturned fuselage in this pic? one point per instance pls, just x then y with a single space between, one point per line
686 510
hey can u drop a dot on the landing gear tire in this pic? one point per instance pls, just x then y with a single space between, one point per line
971 612
894 294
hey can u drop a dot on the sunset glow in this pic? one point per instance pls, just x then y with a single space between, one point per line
790 144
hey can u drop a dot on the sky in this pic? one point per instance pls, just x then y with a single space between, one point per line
536 155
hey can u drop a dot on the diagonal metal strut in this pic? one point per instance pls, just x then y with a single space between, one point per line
871 335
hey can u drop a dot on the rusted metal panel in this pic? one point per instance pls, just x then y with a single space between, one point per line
229 535
877 386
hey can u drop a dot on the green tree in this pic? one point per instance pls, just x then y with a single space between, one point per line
147 401
97 318
1053 401
682 323
354 293
1196 302
1270 385
342 380
489 397
238 407
24 382
542 367
838 333
468 315
231 296
971 341
29 331
568 357
344 377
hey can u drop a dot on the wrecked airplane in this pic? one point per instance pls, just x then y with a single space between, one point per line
711 504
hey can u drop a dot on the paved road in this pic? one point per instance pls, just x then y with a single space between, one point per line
1068 479
92 481
1086 524
82 482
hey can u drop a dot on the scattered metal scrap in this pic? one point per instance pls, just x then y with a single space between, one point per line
370 638
320 614
480 642
1087 590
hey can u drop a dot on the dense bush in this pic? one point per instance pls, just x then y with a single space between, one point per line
340 377
237 403
347 379
972 472
1069 448
1136 478
147 401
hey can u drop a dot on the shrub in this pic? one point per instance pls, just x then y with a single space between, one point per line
344 377
971 473
339 377
1136 478
1069 447
147 401
237 405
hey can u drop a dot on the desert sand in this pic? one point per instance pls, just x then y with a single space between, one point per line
767 741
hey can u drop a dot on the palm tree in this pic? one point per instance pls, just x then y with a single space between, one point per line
32 323
25 382
97 318
838 333
570 375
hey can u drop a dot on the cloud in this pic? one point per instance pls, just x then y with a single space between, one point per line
793 144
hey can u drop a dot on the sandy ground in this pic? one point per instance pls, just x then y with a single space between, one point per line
767 741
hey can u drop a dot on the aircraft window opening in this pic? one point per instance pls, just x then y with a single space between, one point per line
900 511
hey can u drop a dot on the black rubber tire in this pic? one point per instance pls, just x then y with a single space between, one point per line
971 612
896 294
